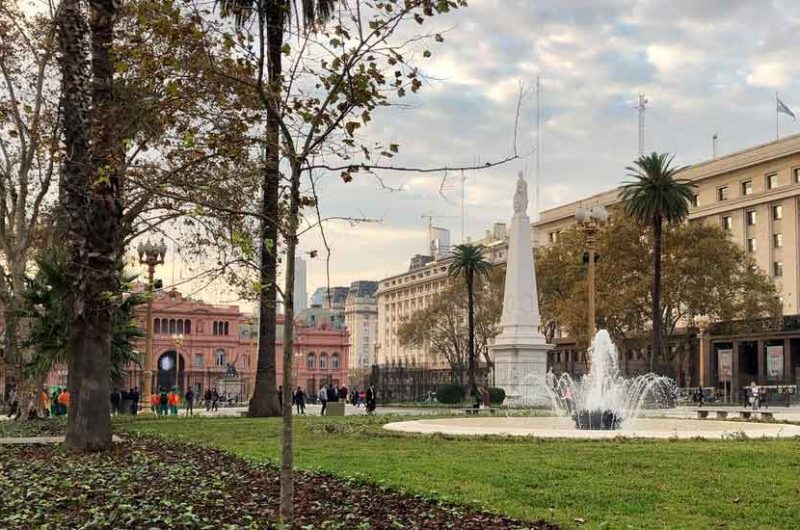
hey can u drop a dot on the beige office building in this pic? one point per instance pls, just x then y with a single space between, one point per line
399 296
754 194
361 317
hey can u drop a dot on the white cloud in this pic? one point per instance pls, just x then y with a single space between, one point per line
769 74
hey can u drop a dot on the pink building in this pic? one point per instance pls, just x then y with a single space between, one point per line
216 346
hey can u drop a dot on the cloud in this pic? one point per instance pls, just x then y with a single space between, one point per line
770 74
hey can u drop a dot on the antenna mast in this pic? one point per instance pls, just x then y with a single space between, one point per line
640 108
537 203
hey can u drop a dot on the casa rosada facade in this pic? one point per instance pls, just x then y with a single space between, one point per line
217 347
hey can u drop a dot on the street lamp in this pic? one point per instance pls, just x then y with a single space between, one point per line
702 322
178 340
150 254
590 222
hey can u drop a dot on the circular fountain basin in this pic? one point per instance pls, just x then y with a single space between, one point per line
557 427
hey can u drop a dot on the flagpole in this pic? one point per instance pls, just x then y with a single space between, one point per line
777 132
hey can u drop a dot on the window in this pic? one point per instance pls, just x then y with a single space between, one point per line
750 216
226 328
220 328
751 244
797 174
157 325
722 193
220 357
777 212
172 326
323 361
310 361
187 326
727 222
772 181
335 361
747 187
245 361
777 240
777 269
695 200
180 326
198 360
553 236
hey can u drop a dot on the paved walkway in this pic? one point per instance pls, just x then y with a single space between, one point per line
40 440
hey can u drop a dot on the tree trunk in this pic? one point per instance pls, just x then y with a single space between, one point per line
656 339
287 457
265 398
94 214
471 327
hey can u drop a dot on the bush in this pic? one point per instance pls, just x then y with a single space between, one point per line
450 393
497 395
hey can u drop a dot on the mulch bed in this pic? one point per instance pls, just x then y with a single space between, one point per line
151 483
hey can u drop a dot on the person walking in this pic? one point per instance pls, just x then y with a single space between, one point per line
163 402
343 393
207 398
116 401
487 400
300 401
214 401
189 402
134 395
372 398
155 400
753 395
63 401
323 399
280 396
174 398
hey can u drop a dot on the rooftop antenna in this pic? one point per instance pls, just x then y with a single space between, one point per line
714 145
537 204
463 194
640 108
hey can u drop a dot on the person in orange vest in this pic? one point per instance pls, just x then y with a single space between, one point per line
174 401
63 400
154 403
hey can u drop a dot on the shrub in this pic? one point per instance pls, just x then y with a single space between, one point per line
497 395
450 393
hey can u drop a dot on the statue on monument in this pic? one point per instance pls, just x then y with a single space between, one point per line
521 196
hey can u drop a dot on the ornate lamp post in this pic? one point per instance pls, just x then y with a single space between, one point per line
590 222
702 322
178 340
151 255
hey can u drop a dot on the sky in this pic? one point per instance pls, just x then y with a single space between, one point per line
710 66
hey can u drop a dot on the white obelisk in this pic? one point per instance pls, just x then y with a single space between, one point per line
520 350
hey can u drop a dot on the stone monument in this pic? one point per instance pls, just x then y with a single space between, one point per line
520 350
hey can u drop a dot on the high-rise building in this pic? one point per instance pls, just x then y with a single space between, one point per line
300 290
361 316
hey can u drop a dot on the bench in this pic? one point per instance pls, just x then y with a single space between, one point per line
472 411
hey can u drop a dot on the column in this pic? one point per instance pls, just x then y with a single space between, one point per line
762 362
787 361
734 384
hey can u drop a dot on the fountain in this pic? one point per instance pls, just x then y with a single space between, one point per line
603 399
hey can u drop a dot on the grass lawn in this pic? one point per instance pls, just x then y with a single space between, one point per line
609 484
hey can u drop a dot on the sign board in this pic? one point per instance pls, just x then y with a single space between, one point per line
774 362
725 358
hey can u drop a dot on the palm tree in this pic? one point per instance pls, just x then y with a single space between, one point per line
274 18
469 262
46 315
653 197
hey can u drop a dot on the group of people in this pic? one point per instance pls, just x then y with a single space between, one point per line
50 403
330 394
482 398
120 398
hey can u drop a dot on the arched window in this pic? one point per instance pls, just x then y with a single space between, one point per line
219 357
215 328
157 325
335 361
323 361
187 326
180 326
172 326
226 328
310 360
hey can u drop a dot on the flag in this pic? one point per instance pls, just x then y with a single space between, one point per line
784 109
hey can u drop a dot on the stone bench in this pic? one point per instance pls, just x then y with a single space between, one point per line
745 414
472 411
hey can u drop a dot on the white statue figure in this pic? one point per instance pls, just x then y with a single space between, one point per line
550 378
521 196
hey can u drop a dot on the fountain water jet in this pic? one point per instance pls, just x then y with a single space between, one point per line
603 399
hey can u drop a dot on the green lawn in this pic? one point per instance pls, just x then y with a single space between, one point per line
610 484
